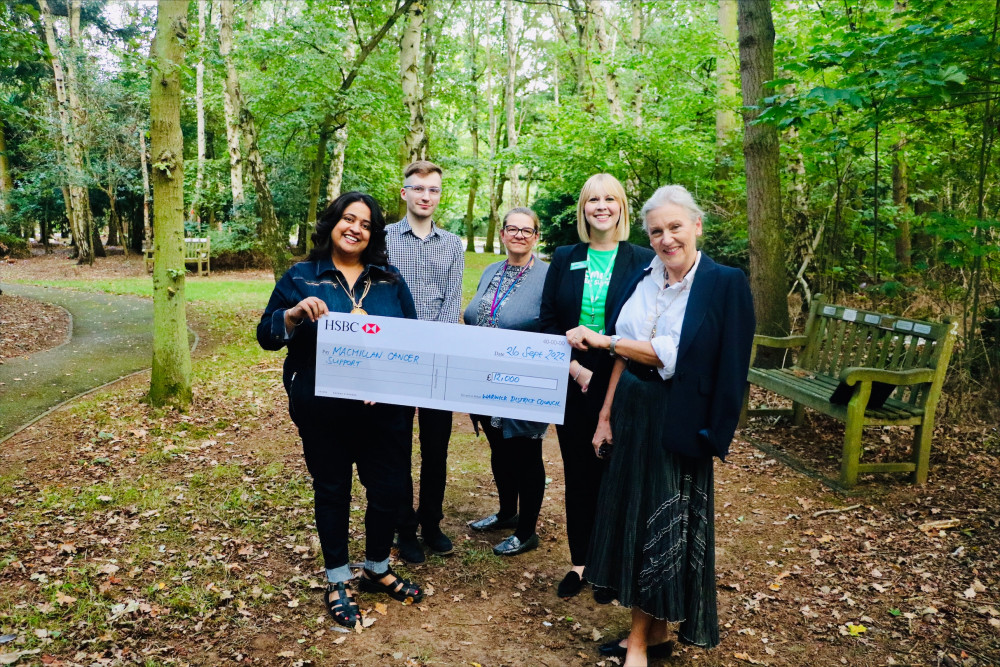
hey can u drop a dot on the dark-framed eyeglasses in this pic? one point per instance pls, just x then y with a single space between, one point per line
526 232
420 189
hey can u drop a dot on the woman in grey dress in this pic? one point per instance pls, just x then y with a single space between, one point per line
508 297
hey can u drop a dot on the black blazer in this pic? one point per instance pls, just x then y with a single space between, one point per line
562 299
713 357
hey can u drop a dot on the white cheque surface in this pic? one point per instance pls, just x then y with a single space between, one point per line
480 370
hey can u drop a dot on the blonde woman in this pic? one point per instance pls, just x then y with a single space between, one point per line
585 281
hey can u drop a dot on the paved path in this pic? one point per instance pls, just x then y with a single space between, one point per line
111 336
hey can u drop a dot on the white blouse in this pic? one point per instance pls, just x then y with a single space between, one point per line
655 303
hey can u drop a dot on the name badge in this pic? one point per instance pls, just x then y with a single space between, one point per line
578 265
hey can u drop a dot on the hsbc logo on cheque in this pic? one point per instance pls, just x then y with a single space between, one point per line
371 328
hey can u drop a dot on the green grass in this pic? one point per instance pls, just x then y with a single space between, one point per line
241 293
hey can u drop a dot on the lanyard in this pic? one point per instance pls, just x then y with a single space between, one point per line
496 304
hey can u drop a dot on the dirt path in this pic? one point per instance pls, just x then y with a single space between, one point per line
111 336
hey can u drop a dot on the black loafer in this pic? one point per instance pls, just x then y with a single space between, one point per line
493 522
604 595
513 546
437 542
571 584
614 649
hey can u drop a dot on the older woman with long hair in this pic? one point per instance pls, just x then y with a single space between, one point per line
347 272
585 282
680 342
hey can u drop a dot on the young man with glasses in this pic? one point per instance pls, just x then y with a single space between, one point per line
432 261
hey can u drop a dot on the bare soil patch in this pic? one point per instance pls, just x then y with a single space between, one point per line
28 326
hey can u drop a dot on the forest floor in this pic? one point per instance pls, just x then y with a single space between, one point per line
134 535
28 326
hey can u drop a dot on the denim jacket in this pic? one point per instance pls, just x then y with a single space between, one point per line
388 297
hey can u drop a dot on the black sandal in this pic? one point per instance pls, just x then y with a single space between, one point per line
344 609
400 589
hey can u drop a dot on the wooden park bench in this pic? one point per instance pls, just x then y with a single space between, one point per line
196 251
879 370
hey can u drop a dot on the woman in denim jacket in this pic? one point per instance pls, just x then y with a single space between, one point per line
347 272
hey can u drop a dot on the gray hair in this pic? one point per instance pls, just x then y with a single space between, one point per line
670 194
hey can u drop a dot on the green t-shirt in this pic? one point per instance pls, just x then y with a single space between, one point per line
600 263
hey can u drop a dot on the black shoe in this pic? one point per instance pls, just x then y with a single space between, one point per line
512 546
604 595
493 522
409 549
437 541
614 649
571 584
397 588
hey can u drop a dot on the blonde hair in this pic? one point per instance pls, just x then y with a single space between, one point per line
609 184
523 210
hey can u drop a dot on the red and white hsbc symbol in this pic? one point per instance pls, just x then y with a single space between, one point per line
371 328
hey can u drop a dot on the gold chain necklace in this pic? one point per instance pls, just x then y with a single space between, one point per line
357 310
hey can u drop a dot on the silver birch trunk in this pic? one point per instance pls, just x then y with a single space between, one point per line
415 140
231 110
199 100
511 113
337 164
147 230
6 180
596 10
272 238
635 43
71 149
170 382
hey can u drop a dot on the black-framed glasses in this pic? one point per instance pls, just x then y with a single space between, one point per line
526 232
420 189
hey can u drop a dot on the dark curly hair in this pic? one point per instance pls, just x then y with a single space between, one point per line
322 243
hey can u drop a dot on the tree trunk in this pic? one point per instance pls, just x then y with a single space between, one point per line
511 113
231 110
900 194
635 43
494 168
470 231
78 199
725 73
269 231
336 179
431 31
147 229
78 120
6 180
760 149
199 101
415 140
596 10
315 178
171 376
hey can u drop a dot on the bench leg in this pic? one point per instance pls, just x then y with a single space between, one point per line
745 408
851 455
922 450
798 414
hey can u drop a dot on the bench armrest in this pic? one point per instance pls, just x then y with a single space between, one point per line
854 374
779 341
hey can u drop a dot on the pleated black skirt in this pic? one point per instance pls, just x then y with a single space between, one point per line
654 535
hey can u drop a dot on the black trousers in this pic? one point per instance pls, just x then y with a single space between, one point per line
582 469
336 434
519 473
435 431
